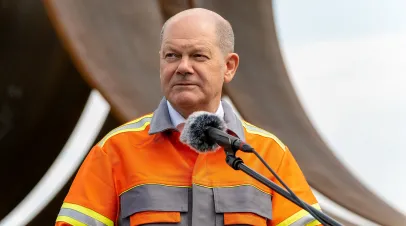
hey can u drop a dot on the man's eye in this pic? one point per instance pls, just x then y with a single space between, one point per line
170 55
201 56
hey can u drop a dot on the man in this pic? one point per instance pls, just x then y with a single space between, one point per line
140 173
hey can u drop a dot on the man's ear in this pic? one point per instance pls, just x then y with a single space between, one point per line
232 61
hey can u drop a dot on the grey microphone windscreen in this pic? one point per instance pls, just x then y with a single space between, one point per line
193 133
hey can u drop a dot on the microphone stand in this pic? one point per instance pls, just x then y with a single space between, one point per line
238 164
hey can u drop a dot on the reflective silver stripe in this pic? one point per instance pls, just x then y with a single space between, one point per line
152 197
184 217
137 124
80 217
303 221
236 199
199 205
124 221
243 199
203 213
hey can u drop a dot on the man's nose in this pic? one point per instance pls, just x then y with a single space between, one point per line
185 66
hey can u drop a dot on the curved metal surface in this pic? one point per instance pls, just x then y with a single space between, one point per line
342 221
41 98
115 46
172 7
263 94
48 215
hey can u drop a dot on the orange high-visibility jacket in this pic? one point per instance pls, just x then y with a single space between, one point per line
140 173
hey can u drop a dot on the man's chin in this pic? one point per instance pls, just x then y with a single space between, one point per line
184 100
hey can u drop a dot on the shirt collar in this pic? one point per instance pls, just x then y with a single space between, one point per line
165 119
177 118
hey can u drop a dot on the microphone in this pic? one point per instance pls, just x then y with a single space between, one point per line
206 132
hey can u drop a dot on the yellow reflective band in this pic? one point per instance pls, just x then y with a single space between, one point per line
313 223
297 216
139 119
134 126
89 213
233 186
258 131
166 185
70 221
129 130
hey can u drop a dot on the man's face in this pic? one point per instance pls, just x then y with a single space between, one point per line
192 66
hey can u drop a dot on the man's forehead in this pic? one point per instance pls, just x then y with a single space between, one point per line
190 27
186 44
190 31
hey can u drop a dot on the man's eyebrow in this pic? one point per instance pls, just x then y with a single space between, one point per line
201 49
168 47
186 46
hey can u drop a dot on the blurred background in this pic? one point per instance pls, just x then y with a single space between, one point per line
327 78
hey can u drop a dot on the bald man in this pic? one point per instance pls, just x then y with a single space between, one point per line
141 174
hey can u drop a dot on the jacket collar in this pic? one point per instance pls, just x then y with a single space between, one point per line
161 120
177 118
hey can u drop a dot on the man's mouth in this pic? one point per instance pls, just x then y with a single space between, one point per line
185 84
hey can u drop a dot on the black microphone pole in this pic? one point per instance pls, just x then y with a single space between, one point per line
231 144
238 164
205 131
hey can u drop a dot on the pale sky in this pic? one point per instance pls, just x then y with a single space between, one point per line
347 61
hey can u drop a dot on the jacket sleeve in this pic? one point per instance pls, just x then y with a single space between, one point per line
285 212
92 197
